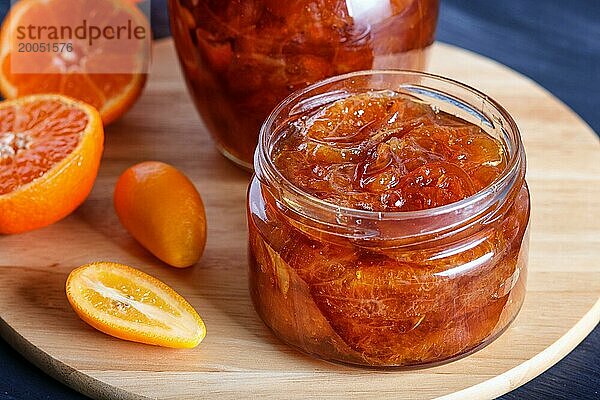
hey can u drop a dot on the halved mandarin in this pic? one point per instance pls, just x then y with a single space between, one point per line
50 151
129 304
107 73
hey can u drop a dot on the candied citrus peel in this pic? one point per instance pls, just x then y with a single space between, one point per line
126 303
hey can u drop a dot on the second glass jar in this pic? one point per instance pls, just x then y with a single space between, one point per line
241 58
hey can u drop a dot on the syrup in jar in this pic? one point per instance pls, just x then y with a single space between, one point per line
388 220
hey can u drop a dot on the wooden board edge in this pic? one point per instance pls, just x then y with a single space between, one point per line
523 373
490 389
62 372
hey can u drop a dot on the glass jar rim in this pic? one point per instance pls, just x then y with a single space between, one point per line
265 168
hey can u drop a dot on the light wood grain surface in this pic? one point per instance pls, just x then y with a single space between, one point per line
240 357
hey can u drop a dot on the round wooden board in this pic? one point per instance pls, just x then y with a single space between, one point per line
240 357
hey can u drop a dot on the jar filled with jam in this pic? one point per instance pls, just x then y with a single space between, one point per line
242 57
388 220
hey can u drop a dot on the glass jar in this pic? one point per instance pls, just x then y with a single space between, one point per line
389 289
241 58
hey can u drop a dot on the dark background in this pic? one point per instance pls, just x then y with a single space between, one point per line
554 42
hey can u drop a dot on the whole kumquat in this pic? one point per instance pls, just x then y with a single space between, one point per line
161 208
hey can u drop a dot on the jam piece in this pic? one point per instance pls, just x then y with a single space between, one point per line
241 58
384 151
434 185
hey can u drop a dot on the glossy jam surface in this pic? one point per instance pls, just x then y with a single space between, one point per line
383 151
241 58
380 301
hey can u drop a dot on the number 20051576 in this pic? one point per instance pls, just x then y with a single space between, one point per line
42 47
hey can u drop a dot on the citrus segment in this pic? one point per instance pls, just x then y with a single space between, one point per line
126 303
50 150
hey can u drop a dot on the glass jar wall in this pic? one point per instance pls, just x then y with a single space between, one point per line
388 289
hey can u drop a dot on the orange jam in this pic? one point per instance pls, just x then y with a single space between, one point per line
388 227
382 151
241 58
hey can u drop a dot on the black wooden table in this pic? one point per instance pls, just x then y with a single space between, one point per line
554 42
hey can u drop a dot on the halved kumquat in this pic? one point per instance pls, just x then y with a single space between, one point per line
129 304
